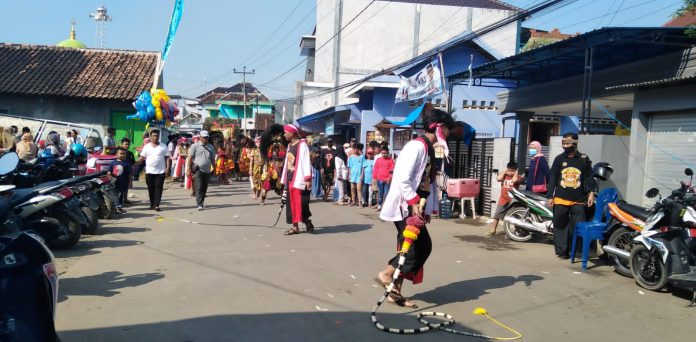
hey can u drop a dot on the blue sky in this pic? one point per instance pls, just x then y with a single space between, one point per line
216 36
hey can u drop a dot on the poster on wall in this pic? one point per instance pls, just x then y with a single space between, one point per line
425 83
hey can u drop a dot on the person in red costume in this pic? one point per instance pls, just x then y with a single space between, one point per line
297 180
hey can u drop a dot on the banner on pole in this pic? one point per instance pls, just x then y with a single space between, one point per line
425 83
173 27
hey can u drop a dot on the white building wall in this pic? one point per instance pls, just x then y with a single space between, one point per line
387 33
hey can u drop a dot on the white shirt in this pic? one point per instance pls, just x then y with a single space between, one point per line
155 158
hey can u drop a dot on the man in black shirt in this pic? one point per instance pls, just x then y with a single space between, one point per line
570 188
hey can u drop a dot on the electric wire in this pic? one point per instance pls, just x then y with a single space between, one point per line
325 43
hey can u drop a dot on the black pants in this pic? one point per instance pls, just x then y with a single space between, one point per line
564 220
122 195
418 253
155 184
201 183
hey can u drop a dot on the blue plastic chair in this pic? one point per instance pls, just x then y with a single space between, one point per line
594 230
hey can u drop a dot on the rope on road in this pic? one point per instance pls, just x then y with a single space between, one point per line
430 326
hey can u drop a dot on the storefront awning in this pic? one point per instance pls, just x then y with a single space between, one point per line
341 114
411 118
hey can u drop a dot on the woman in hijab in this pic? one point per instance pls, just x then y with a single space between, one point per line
7 140
53 144
538 172
26 148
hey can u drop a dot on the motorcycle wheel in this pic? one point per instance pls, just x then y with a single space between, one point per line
513 232
647 268
622 238
68 240
107 208
93 219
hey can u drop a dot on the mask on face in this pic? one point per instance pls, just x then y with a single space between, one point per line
532 152
569 149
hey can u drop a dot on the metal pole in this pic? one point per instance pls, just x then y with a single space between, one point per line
244 73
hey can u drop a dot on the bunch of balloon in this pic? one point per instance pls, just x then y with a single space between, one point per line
156 107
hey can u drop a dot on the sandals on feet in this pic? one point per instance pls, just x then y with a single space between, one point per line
310 226
291 232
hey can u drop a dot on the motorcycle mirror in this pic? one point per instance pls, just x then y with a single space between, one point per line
8 163
652 193
689 172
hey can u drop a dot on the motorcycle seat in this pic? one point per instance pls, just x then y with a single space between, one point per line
634 210
534 196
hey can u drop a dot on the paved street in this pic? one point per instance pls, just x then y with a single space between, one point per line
230 277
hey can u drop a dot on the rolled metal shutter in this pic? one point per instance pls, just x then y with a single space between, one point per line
671 149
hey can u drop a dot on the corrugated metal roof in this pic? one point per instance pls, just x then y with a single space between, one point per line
652 83
490 4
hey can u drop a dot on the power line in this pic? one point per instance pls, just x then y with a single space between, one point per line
602 16
614 16
650 13
542 6
330 39
274 32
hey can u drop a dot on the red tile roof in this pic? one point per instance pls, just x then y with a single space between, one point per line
83 73
687 19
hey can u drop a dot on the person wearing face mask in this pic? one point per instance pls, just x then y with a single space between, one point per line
538 171
571 188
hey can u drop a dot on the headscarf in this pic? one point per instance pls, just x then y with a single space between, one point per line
26 149
53 139
291 129
537 146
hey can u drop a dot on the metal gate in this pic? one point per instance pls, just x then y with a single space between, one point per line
474 161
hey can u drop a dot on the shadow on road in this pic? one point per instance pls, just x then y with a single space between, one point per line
89 247
291 326
103 285
121 230
471 289
342 228
496 243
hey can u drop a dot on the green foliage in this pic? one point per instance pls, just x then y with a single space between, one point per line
686 7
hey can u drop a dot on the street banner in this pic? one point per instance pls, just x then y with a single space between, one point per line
173 27
425 83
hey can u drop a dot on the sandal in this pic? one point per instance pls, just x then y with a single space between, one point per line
291 232
310 226
399 300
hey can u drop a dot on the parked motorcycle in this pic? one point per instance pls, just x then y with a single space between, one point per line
628 221
527 214
665 250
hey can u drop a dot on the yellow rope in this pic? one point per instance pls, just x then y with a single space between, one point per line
482 311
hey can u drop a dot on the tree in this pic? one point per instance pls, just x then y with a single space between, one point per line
688 6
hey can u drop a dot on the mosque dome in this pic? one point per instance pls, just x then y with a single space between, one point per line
72 42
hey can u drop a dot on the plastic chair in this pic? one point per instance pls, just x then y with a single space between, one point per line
594 230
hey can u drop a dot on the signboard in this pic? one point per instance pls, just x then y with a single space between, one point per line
425 83
329 126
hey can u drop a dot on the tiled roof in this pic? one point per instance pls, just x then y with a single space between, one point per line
686 19
233 93
83 73
490 4
671 80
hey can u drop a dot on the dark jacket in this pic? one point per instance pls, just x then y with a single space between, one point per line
542 173
571 178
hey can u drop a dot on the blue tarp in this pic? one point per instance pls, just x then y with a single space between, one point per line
412 117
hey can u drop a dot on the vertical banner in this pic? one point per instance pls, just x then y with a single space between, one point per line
173 27
425 83
329 129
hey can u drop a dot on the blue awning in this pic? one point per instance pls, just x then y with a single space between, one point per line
411 118
352 110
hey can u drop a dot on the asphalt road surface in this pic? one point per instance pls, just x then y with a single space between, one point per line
228 276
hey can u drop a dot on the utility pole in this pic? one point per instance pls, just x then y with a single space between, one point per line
244 73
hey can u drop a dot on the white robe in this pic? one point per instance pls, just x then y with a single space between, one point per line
408 172
303 167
